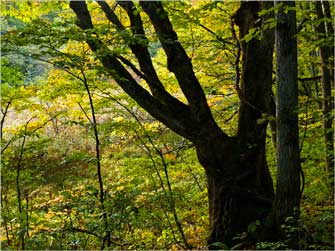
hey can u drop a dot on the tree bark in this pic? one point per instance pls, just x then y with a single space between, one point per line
240 188
330 33
237 194
244 192
327 83
287 200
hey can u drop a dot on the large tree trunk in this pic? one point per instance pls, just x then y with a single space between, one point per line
240 188
239 191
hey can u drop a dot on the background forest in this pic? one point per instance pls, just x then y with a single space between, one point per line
84 167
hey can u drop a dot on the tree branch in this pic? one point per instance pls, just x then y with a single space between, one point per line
4 113
309 79
139 45
177 60
174 114
111 15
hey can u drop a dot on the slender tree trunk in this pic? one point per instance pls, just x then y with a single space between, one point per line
330 33
18 189
327 104
4 202
287 200
273 123
314 72
93 121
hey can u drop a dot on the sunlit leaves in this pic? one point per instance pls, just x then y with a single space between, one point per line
49 107
29 10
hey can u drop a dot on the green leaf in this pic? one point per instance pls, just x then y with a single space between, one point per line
252 227
21 232
219 245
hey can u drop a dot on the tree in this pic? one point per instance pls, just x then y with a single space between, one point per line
240 188
288 195
153 194
325 31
